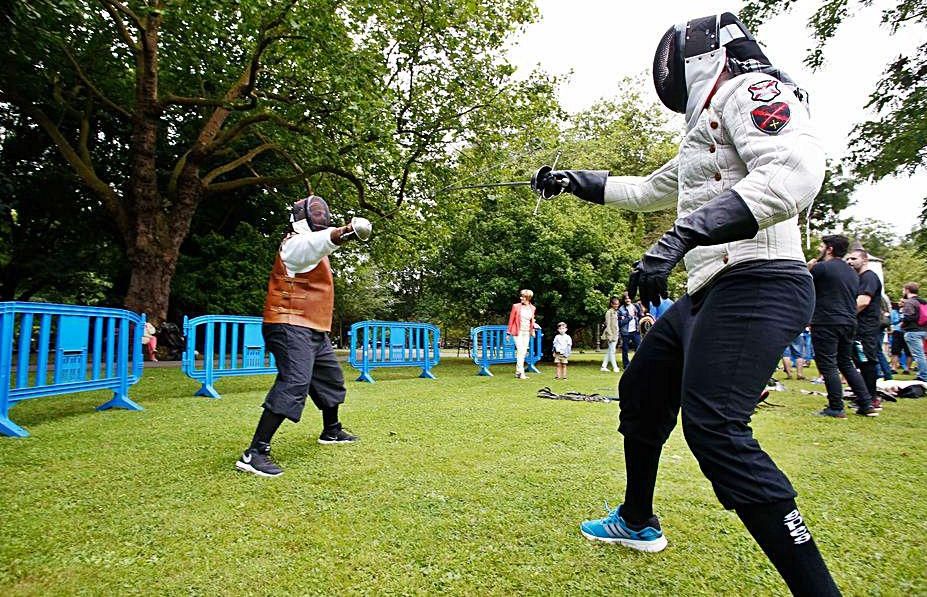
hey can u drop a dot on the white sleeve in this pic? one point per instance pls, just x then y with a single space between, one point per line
301 252
784 158
644 193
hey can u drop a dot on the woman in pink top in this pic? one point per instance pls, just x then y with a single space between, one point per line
521 328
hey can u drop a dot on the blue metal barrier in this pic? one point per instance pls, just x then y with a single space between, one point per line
79 334
239 351
492 345
394 344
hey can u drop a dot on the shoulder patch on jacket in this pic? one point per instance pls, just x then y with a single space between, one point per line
764 91
771 118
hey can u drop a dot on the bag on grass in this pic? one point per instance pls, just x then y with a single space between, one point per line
912 391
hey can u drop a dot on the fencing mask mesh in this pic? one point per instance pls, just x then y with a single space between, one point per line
310 214
669 71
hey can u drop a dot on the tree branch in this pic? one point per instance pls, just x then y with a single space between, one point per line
231 185
244 86
93 88
292 162
114 8
237 162
177 100
84 170
83 143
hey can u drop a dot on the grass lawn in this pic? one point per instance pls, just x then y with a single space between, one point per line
462 485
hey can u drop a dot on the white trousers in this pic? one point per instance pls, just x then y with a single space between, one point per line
522 340
610 356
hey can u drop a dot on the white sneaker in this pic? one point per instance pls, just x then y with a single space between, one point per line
604 369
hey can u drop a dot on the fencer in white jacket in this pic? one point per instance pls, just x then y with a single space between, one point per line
755 138
748 164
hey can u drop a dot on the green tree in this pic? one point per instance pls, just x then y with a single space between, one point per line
46 252
574 255
876 236
159 106
903 264
833 198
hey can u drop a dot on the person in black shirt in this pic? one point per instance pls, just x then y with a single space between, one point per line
833 326
867 321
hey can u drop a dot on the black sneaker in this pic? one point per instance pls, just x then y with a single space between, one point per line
867 411
337 436
258 461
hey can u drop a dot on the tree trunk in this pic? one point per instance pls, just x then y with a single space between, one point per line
150 283
151 252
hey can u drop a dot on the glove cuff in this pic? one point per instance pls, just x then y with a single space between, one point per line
724 219
588 185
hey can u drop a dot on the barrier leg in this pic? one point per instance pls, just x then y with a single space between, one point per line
11 429
365 376
208 391
532 368
120 400
484 370
427 374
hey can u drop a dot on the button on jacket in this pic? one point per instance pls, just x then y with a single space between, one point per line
756 138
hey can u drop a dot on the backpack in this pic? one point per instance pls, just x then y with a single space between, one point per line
922 313
913 390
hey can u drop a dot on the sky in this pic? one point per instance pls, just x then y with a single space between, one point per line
603 41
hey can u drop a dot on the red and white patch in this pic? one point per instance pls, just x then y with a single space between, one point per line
764 91
771 118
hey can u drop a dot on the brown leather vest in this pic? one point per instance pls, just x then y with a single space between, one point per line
305 299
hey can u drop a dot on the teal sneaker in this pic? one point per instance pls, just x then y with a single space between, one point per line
614 529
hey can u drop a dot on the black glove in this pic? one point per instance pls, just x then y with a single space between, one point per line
724 219
588 185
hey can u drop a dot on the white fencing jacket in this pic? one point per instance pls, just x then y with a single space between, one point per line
755 137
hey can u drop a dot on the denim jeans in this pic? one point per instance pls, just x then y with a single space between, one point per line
915 342
628 341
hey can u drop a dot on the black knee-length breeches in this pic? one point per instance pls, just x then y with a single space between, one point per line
713 360
306 365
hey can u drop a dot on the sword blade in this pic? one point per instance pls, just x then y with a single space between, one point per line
521 183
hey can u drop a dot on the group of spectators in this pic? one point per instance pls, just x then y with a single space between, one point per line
626 321
847 325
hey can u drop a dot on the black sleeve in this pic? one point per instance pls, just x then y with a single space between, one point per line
870 285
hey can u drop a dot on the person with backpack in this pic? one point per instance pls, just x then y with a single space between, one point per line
914 326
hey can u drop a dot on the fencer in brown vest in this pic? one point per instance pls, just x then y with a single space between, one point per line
297 320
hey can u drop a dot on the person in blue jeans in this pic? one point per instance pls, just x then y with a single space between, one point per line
914 330
794 355
629 314
899 348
